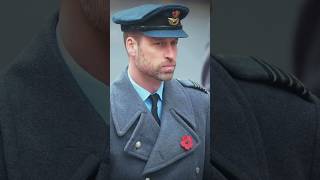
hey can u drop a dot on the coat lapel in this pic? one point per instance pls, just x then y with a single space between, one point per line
146 131
161 146
126 105
127 109
236 145
177 120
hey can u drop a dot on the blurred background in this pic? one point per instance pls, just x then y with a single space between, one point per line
260 28
191 50
20 21
285 33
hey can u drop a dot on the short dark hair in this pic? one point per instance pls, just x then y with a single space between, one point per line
134 34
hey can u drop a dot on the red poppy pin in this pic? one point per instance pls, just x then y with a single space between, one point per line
186 142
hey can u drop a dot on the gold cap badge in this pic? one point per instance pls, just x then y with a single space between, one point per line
174 20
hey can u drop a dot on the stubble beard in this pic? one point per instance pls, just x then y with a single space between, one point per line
165 76
152 71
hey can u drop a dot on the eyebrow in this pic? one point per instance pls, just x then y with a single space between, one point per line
162 39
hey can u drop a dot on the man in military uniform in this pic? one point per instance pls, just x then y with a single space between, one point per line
158 124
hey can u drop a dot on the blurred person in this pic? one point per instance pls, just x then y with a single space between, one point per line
54 121
264 122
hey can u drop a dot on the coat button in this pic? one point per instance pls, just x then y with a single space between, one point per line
197 170
138 145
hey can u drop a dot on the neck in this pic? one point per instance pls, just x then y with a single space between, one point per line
148 83
87 45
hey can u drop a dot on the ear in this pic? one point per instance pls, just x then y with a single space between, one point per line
132 46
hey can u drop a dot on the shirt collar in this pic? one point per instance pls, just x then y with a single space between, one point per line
143 93
96 91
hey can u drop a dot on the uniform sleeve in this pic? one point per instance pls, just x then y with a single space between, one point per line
315 171
3 173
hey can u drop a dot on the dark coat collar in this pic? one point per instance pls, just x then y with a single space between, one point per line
236 145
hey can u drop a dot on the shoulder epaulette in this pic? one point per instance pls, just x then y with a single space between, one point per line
254 69
192 84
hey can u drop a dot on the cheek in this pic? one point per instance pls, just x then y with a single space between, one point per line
150 64
147 57
157 58
143 60
175 50
150 58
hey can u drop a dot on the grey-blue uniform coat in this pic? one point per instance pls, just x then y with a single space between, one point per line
185 112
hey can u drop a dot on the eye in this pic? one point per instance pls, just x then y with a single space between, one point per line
160 43
174 43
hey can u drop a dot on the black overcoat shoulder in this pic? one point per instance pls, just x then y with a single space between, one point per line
264 125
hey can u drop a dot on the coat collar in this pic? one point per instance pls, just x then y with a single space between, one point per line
125 114
177 99
236 143
126 105
177 120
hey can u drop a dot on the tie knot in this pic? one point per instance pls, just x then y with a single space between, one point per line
154 98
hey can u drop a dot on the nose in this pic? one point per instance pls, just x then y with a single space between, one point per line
171 52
